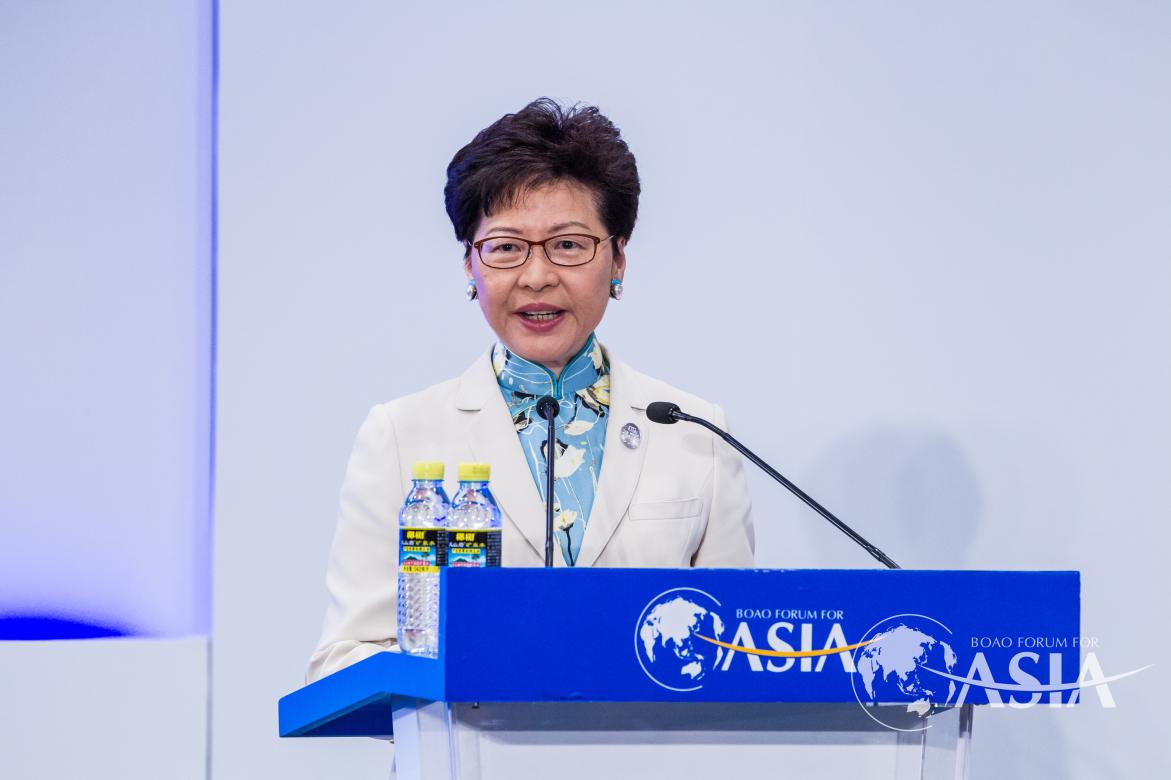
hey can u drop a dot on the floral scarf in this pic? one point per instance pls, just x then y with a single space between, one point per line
583 391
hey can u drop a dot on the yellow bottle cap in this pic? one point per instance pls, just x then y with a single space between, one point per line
427 469
474 472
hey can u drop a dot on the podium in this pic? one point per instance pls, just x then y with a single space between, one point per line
648 673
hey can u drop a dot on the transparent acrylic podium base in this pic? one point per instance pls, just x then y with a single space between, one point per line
610 741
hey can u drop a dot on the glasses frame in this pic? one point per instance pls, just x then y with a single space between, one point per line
543 244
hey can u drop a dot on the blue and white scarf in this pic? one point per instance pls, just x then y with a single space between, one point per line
583 391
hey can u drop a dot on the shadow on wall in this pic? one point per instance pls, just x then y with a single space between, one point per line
912 492
41 627
915 493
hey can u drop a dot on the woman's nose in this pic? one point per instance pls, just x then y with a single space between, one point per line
539 271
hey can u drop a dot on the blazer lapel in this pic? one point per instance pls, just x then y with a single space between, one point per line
621 465
492 439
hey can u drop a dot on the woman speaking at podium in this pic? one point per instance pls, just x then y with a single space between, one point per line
543 203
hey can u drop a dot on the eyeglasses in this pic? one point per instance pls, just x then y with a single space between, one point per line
568 249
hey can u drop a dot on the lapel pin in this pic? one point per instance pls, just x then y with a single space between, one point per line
630 435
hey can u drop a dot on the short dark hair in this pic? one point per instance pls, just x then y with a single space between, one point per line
543 143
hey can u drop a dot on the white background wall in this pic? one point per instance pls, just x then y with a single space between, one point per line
917 250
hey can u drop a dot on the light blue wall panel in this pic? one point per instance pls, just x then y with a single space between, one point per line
106 313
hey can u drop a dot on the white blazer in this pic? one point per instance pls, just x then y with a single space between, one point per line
679 499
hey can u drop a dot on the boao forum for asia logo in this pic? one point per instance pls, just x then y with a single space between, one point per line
685 637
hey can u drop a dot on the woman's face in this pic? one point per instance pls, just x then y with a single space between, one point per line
517 301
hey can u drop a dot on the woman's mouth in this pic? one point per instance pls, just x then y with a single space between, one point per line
540 316
541 319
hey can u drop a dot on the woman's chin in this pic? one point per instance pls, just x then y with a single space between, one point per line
550 350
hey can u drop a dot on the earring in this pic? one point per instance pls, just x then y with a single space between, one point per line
470 291
616 288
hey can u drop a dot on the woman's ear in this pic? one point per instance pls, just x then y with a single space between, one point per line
618 264
468 264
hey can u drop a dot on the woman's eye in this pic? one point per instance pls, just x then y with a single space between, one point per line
566 244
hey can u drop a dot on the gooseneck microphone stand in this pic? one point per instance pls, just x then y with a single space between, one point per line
668 413
549 409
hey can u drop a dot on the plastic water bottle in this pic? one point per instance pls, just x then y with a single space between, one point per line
422 550
473 524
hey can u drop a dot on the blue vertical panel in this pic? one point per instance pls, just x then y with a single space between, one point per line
106 295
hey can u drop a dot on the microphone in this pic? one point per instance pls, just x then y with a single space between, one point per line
668 414
548 408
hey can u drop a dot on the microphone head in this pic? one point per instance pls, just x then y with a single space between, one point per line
548 408
662 412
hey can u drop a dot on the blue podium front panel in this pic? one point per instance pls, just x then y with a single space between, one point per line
735 635
920 638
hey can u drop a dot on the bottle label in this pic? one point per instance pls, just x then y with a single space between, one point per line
422 550
474 548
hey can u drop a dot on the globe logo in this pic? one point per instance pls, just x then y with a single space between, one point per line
665 640
894 668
